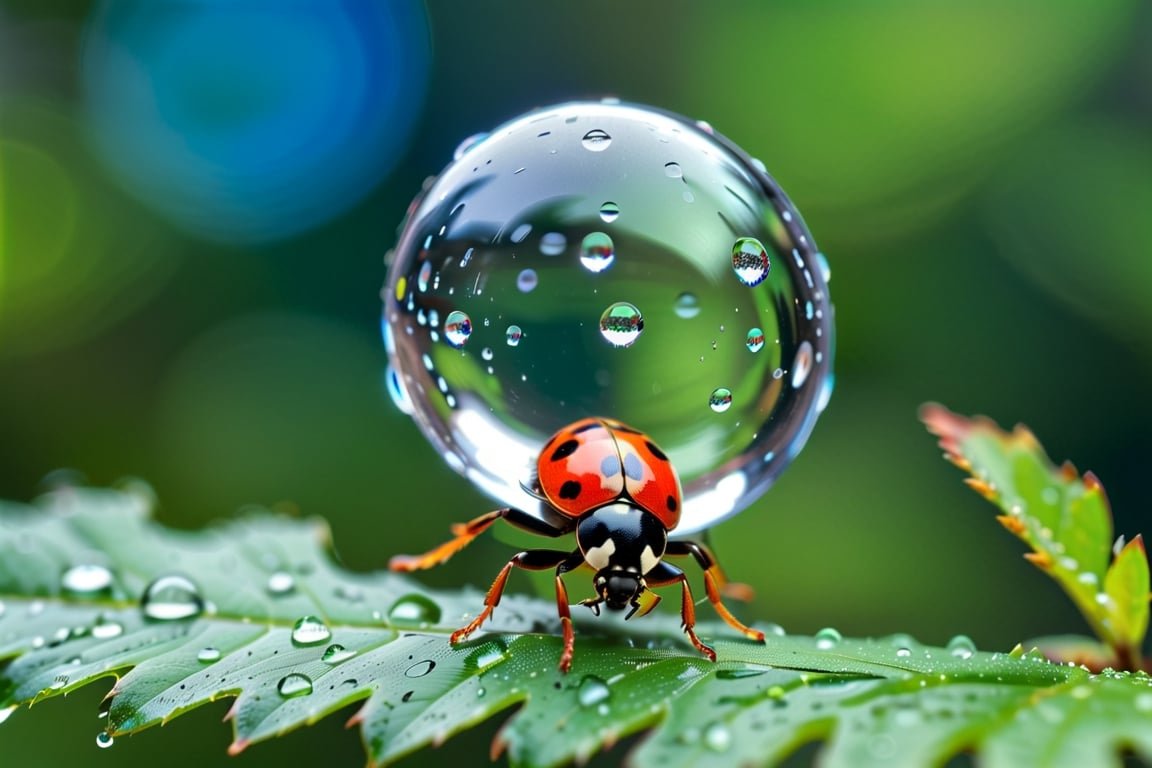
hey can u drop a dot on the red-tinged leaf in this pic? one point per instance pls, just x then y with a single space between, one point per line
1063 517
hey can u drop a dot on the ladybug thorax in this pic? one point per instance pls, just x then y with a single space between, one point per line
621 537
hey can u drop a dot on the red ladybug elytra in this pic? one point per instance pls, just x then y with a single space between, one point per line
613 487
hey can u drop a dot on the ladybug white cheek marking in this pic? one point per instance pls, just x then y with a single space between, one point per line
598 557
648 560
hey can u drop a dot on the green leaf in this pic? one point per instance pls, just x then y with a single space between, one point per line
1064 518
270 621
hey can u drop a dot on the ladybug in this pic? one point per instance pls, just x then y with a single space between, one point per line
617 491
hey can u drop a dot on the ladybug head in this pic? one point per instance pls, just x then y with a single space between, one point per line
619 589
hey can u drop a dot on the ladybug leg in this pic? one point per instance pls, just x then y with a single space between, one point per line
529 560
710 564
465 532
666 573
714 582
575 560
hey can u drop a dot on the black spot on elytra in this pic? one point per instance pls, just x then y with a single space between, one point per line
672 505
570 489
564 450
656 451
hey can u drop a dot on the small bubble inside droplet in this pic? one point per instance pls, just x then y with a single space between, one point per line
104 740
424 276
486 353
553 244
673 171
513 335
596 140
597 252
750 261
621 324
754 340
720 400
802 365
609 212
520 233
687 305
527 280
457 328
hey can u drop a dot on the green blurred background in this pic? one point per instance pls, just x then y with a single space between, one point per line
189 275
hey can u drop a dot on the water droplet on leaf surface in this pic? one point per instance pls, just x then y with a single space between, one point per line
208 655
828 638
961 646
336 653
420 668
624 172
280 583
171 597
415 609
310 630
104 740
592 691
86 581
293 685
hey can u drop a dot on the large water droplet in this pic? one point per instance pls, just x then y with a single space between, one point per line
596 140
755 340
293 685
720 400
621 324
86 581
609 212
592 691
414 608
208 655
687 305
750 261
420 668
597 252
457 328
310 630
961 646
280 583
718 737
171 597
828 638
104 740
336 653
513 335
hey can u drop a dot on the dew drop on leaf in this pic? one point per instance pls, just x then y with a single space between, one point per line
420 668
293 685
553 243
280 583
104 629
170 598
414 609
592 691
961 646
609 212
208 655
828 638
86 581
104 740
336 653
717 737
310 630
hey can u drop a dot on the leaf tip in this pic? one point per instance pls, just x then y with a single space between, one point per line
238 746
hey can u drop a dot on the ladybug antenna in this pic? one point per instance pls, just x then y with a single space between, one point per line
531 486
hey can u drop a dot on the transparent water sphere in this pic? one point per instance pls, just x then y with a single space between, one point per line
610 205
